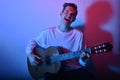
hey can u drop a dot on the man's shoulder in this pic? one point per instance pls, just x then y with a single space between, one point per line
52 28
48 30
77 30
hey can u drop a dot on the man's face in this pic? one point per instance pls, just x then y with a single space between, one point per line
68 15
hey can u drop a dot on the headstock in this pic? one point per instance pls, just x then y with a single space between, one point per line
102 48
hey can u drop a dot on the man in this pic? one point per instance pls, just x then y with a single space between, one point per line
68 40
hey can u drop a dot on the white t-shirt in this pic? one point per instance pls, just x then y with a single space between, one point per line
68 41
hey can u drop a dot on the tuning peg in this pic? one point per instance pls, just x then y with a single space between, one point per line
104 50
103 45
100 51
95 47
99 46
96 51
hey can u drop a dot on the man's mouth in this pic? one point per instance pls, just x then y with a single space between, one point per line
68 20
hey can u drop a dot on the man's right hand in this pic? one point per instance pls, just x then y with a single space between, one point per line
34 58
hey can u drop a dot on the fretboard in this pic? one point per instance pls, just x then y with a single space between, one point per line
65 56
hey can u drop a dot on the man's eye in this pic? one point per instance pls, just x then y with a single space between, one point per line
72 14
66 11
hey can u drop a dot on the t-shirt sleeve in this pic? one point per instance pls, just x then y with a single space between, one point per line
81 41
40 39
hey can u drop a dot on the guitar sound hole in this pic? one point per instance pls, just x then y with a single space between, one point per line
47 60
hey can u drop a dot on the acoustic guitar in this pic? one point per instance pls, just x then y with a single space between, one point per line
52 58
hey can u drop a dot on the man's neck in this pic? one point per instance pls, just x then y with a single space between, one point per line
64 28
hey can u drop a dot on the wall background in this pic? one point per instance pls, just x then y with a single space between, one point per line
21 20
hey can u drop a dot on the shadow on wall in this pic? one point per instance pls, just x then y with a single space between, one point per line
78 24
97 14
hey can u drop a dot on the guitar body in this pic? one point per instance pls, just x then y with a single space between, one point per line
39 71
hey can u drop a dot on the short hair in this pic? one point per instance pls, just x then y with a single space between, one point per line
73 5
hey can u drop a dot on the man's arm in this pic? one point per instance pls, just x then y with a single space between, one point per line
32 53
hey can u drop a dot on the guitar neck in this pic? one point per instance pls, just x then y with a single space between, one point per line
65 56
97 49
